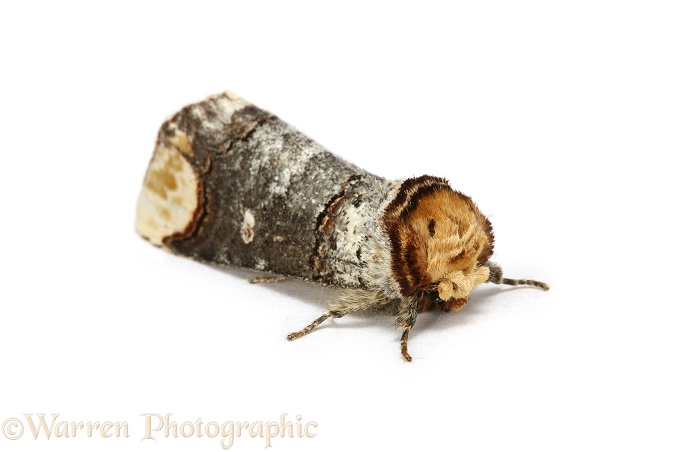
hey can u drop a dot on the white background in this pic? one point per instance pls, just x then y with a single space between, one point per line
558 118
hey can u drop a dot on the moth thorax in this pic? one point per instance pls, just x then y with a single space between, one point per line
443 240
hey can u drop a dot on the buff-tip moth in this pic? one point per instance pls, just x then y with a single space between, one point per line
230 184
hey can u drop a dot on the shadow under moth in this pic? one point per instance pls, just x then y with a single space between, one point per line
230 184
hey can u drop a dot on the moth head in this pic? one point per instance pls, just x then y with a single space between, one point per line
442 244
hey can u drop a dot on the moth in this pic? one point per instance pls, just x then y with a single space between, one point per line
230 184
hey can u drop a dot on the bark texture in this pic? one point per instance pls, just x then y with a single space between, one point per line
272 199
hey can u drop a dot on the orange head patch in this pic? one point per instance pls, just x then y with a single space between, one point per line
440 240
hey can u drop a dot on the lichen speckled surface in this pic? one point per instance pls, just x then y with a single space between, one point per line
262 197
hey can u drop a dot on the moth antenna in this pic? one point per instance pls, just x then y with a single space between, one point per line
525 282
495 276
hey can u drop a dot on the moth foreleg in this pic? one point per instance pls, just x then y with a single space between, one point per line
497 277
407 314
404 345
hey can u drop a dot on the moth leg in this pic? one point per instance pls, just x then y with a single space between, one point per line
311 326
496 277
267 279
352 301
405 320
404 346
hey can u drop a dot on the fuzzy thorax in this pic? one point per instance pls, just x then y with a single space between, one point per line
440 241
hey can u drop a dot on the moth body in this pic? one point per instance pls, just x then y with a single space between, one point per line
233 185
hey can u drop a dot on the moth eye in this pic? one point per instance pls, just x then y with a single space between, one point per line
433 295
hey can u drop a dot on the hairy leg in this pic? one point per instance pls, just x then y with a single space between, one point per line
267 279
351 301
407 314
